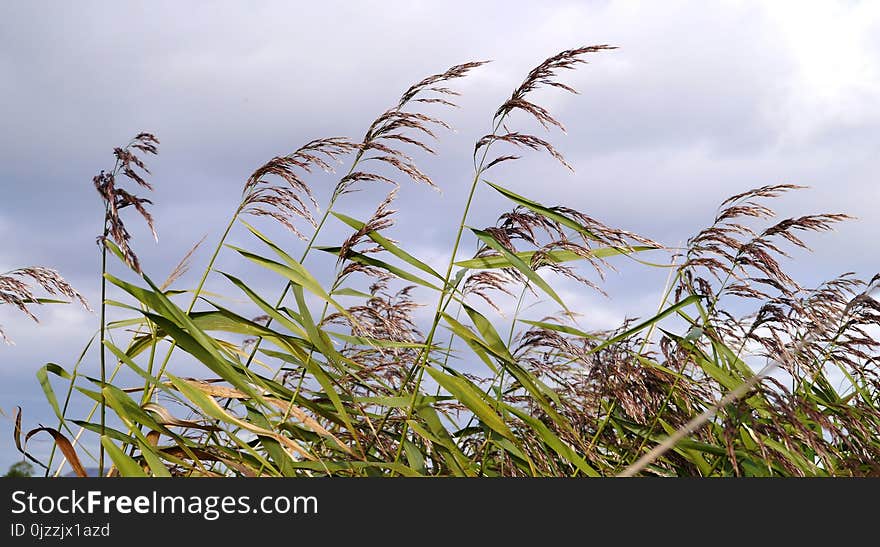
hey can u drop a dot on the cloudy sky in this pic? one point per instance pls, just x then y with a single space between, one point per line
702 100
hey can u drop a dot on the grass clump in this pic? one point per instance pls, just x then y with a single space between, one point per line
740 371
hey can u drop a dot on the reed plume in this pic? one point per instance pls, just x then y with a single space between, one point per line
285 203
400 126
115 198
17 288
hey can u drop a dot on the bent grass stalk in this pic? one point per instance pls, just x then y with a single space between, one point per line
182 265
289 284
543 74
446 296
408 96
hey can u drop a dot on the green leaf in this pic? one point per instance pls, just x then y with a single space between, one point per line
43 377
151 380
544 211
515 262
444 444
389 246
345 291
276 453
225 320
326 348
130 412
126 322
51 301
474 399
478 346
209 356
374 342
557 256
127 466
210 407
153 300
295 273
109 431
370 261
647 323
490 336
267 308
141 343
403 401
193 340
152 458
717 373
560 328
355 466
540 391
553 441
414 456
109 244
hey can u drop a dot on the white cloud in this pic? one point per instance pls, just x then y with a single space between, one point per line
61 328
835 49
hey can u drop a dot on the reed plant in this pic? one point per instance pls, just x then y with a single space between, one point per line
740 371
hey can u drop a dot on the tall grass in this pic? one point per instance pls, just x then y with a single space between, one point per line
740 371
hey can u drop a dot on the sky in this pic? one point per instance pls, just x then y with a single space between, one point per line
701 100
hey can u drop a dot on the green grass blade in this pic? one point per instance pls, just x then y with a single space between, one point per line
361 258
474 399
515 262
557 256
210 407
389 246
648 322
553 441
559 328
127 467
490 336
43 378
109 431
543 210
153 461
